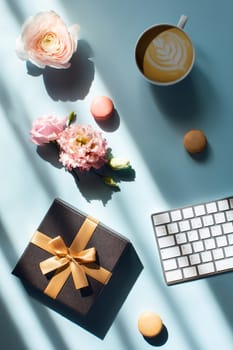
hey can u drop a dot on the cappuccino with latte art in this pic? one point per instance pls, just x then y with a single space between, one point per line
165 54
169 55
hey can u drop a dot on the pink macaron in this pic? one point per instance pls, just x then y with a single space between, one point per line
102 108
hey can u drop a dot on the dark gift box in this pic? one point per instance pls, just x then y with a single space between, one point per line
76 265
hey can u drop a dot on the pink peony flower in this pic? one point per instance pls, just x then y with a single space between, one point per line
46 41
82 147
46 129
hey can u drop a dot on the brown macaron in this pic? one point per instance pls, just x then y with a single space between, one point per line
195 141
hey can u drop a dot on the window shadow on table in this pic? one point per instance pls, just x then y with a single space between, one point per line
222 288
8 104
16 10
10 335
70 84
181 103
152 266
102 314
186 102
186 105
180 108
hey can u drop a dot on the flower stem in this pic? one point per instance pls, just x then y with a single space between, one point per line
71 118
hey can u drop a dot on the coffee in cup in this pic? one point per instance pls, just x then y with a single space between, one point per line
165 54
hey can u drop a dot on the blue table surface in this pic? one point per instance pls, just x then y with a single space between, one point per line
149 130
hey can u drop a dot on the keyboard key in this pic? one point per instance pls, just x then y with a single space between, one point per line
161 231
176 215
184 225
228 251
224 264
192 235
211 208
196 223
181 238
206 268
219 218
169 264
188 213
218 253
209 243
204 232
160 219
199 210
223 204
230 238
221 241
198 246
172 228
167 241
174 275
208 220
216 230
231 202
206 256
186 249
190 272
194 259
183 261
227 228
170 252
229 215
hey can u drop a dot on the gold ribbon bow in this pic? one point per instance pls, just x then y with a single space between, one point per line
74 260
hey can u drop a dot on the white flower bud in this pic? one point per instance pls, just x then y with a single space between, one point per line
119 163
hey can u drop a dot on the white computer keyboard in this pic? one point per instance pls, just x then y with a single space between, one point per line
195 241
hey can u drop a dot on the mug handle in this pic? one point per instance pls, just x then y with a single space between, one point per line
182 21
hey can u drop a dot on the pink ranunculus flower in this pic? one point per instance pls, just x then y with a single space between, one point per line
82 147
46 129
47 41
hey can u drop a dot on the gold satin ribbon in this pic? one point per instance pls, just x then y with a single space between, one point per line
74 260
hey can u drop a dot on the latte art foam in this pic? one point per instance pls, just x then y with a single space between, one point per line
168 57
